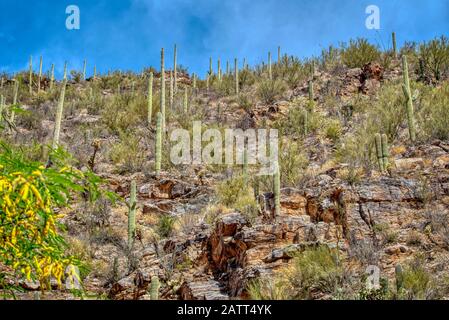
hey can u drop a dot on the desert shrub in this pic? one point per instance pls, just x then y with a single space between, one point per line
330 58
417 282
434 113
246 78
293 162
358 53
435 57
297 123
234 194
31 243
388 235
314 271
128 154
268 91
165 226
333 129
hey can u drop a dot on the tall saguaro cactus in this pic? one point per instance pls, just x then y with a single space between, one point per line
52 76
95 72
277 190
279 55
211 70
409 103
39 76
171 91
175 71
150 99
30 79
162 107
236 74
14 101
59 113
381 142
393 39
158 156
65 71
132 214
270 74
186 101
219 69
311 94
84 69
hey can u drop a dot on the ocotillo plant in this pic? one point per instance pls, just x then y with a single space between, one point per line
277 190
186 101
39 76
385 152
270 74
132 215
378 141
154 288
171 91
158 156
408 96
162 106
150 99
236 74
14 101
393 39
84 70
52 76
30 85
175 58
59 113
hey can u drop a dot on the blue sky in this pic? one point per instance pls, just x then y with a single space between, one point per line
128 34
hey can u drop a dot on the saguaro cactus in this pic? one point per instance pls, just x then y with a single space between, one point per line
279 55
158 155
172 91
245 164
219 69
65 71
175 69
132 214
311 93
270 74
59 113
162 106
277 190
14 101
52 76
236 74
408 96
385 152
211 70
399 277
2 107
30 79
393 39
227 67
186 100
378 141
39 76
95 72
154 288
84 69
150 98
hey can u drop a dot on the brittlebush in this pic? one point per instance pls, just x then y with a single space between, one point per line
30 243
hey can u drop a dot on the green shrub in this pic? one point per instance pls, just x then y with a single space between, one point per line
269 91
358 53
165 226
435 57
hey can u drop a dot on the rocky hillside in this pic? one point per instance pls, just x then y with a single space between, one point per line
356 193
